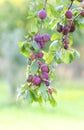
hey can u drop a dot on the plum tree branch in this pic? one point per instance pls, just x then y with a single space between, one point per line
45 4
70 5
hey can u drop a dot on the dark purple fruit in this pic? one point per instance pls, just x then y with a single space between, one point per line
68 14
36 80
45 68
42 14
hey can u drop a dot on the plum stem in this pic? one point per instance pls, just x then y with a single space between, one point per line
70 5
41 25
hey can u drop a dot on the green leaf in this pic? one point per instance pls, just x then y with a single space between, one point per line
54 36
34 95
48 57
58 57
24 48
67 56
76 54
24 86
43 90
34 67
35 45
54 46
52 100
29 97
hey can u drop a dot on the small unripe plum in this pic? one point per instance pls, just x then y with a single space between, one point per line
42 14
50 91
82 13
44 76
40 54
46 38
66 46
66 40
45 68
68 14
30 78
33 57
36 80
65 30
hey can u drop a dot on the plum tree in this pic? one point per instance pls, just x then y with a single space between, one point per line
49 42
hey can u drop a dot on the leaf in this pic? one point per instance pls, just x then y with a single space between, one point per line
43 90
52 100
34 67
76 54
48 57
60 7
24 86
29 97
54 46
54 36
67 56
35 45
58 57
24 48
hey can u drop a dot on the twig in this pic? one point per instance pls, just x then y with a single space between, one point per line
41 25
70 5
77 16
45 4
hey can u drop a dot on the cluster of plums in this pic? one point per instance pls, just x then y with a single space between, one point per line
42 75
70 25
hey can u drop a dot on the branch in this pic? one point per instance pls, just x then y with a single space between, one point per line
45 4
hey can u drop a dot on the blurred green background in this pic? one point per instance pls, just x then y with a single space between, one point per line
69 112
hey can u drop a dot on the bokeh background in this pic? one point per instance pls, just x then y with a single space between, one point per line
69 112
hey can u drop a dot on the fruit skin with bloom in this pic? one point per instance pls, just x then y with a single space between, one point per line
40 54
44 76
36 80
42 14
38 38
46 37
65 30
45 68
33 57
68 14
50 91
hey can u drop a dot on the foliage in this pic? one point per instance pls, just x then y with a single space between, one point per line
57 33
